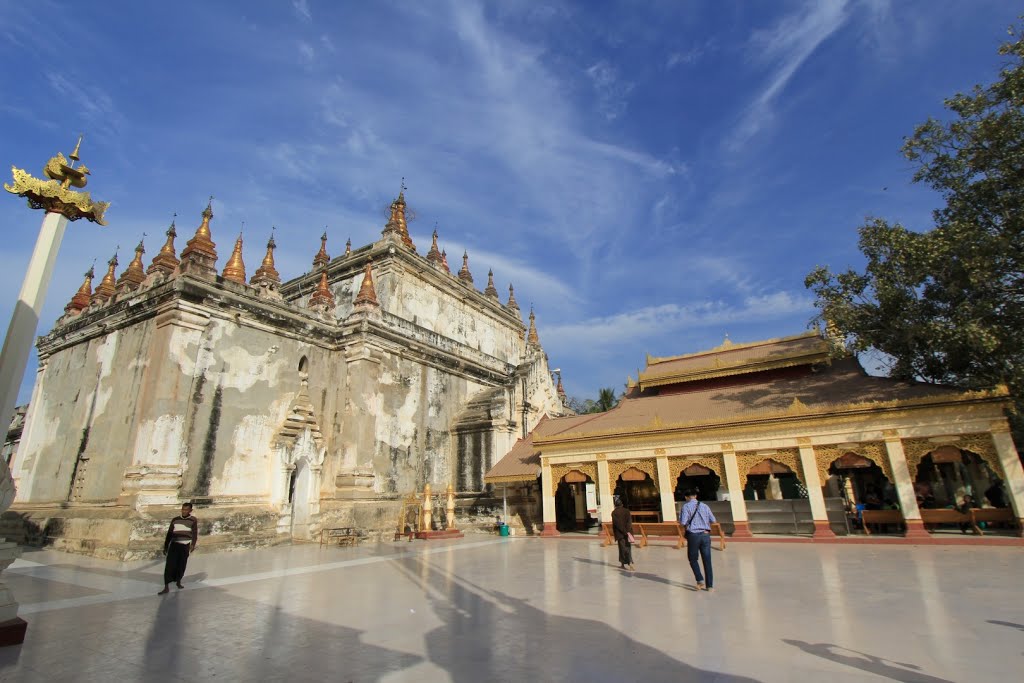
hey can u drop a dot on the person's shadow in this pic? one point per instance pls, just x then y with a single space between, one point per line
898 671
1009 624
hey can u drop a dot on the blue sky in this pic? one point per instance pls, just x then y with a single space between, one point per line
650 175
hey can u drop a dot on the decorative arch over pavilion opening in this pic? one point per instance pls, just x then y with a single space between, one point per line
570 491
860 474
758 469
636 483
704 473
944 472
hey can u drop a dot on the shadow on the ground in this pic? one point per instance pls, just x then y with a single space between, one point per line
897 671
488 635
1009 624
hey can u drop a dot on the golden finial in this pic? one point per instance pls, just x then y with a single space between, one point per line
512 303
267 273
55 195
201 247
80 301
434 256
321 259
367 295
166 261
134 275
348 246
235 268
78 145
107 285
532 337
322 296
560 389
490 290
464 274
444 261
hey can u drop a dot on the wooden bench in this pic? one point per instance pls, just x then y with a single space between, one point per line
343 535
947 516
869 517
992 516
644 530
642 515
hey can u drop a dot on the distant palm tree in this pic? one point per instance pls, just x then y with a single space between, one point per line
606 400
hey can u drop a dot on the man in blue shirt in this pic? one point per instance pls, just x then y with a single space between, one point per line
698 518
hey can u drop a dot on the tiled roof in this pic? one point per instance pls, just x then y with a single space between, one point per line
522 463
733 359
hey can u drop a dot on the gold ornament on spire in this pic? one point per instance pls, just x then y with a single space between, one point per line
560 389
322 296
434 256
444 261
532 337
321 259
165 262
134 275
80 301
107 285
235 268
397 224
55 195
512 303
267 274
491 290
464 274
200 253
348 246
367 295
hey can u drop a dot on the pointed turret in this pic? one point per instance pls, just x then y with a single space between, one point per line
107 285
560 388
200 253
367 295
444 261
80 301
235 268
531 337
321 259
464 274
348 246
134 275
490 290
165 262
512 303
397 228
266 275
434 256
322 297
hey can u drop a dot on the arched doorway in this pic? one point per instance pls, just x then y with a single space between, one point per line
571 509
639 494
771 480
947 474
704 479
860 481
299 488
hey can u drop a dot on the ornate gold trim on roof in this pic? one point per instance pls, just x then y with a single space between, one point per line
730 346
721 370
512 478
55 195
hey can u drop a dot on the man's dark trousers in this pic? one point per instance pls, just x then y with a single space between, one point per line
700 543
177 558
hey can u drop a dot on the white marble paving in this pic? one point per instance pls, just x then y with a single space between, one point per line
489 609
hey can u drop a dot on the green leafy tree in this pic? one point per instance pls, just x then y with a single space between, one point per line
947 305
606 400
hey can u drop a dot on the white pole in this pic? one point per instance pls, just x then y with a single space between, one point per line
504 503
25 318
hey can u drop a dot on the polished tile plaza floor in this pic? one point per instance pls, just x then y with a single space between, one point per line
487 609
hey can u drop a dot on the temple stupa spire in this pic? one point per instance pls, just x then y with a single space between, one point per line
464 274
200 253
234 270
321 259
491 290
367 295
444 261
532 337
134 275
80 301
165 262
267 274
348 246
322 297
512 303
434 255
397 227
107 285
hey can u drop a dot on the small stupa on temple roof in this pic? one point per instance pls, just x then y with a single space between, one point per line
200 253
464 274
491 290
234 270
512 303
532 337
322 258
108 284
80 301
266 275
134 275
165 262
367 296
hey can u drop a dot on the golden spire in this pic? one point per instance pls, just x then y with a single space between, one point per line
348 246
512 303
235 268
444 261
82 297
266 273
107 287
321 259
367 295
464 273
560 388
531 337
134 275
434 254
200 252
55 195
490 289
322 296
397 224
165 262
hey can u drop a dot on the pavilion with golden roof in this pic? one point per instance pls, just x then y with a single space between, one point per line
782 436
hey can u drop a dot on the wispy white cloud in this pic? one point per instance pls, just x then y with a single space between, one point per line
97 108
610 88
302 8
784 48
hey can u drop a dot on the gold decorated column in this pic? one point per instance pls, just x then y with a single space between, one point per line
736 503
809 464
1013 473
904 486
